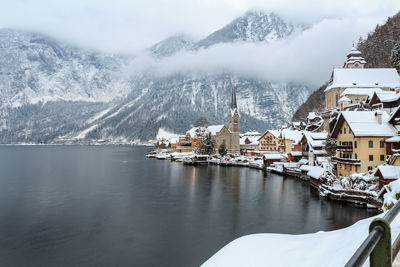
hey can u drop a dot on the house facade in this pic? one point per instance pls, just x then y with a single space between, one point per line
360 138
269 141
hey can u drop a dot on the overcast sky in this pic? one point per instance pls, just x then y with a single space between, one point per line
131 26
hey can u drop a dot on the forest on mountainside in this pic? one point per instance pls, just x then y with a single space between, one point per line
376 49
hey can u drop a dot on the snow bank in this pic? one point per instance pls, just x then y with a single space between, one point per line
332 248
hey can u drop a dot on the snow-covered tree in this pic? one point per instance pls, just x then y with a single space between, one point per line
395 57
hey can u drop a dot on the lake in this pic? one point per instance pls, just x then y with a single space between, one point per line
110 206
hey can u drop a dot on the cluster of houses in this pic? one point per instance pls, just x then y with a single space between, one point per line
361 121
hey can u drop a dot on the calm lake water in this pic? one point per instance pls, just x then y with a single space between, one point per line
110 206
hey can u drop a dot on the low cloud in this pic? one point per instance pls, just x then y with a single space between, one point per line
306 57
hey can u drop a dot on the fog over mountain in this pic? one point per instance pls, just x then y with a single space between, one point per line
54 92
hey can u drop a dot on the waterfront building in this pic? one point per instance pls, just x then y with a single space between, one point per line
360 141
249 142
269 141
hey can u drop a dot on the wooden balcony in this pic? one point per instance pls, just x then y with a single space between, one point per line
344 148
346 161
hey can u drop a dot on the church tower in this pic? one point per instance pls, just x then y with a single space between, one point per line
354 59
234 125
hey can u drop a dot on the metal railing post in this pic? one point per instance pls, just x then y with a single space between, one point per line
381 255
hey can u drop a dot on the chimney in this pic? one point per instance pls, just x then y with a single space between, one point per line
378 116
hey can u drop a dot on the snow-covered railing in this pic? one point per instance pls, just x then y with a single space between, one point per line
378 245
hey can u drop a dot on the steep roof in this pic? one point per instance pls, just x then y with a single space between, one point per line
293 135
389 172
368 78
214 129
275 133
365 123
360 91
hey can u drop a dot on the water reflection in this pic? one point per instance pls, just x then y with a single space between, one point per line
110 206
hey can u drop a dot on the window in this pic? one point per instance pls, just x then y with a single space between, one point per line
371 144
381 144
340 131
340 143
382 157
355 155
355 144
344 130
355 168
371 157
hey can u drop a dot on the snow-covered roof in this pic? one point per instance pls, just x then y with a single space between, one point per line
293 135
312 115
319 136
273 156
364 123
275 133
296 153
253 140
344 99
214 129
320 152
389 171
252 133
360 91
394 139
388 96
199 131
353 51
316 172
372 78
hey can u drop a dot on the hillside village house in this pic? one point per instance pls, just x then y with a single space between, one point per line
290 140
353 78
313 147
387 100
269 141
361 139
249 142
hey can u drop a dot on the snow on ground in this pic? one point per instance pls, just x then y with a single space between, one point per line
333 248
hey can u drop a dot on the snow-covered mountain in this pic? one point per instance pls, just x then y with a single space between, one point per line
172 45
254 26
54 92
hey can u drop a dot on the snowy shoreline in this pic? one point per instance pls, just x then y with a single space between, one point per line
330 248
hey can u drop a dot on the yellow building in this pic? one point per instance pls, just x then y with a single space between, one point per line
269 141
360 141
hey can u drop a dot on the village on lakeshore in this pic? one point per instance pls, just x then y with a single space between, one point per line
350 151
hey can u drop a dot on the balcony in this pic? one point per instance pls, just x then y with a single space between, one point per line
346 161
345 148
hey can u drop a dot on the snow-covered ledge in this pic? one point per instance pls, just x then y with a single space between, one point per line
332 248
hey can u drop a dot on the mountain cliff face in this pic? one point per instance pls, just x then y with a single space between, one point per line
254 26
55 93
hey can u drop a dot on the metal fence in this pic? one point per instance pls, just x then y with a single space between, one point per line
378 245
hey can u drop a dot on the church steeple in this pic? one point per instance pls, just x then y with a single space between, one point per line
354 59
234 117
233 102
234 124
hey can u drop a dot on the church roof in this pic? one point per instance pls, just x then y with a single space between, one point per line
367 78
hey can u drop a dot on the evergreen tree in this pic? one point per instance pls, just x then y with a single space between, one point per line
222 149
395 58
330 146
207 145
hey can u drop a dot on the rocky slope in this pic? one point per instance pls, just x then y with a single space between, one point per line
52 92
